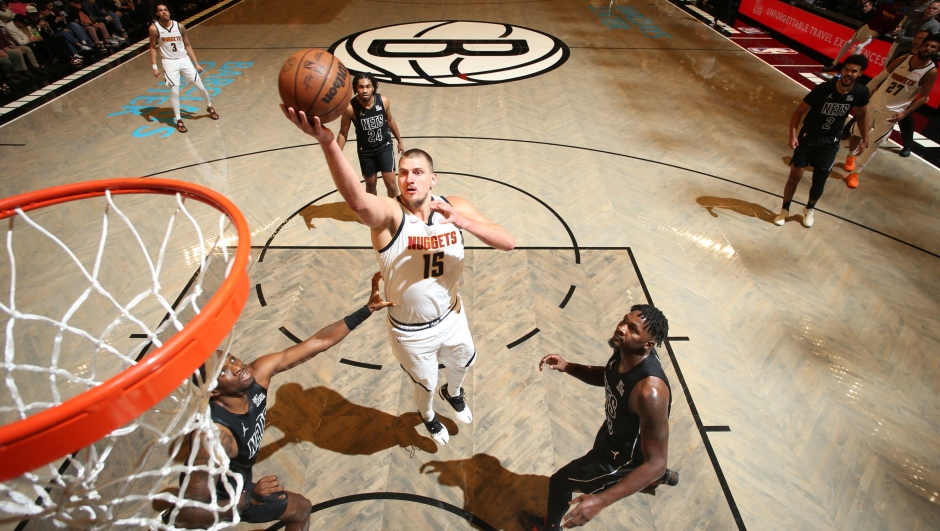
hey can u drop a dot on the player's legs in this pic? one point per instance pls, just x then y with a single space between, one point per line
589 473
369 166
171 75
880 132
798 163
416 352
823 158
907 134
457 354
190 74
386 165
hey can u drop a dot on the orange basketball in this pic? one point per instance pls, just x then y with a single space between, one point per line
315 82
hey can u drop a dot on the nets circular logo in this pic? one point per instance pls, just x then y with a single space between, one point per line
451 53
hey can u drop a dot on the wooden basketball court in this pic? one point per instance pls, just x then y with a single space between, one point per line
647 167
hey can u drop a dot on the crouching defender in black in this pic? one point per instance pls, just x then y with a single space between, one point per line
238 406
630 450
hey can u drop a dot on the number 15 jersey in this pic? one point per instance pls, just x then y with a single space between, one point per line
422 268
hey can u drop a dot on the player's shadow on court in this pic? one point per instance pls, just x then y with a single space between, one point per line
165 115
736 205
491 492
338 211
325 418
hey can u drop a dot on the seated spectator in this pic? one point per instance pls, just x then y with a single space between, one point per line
925 20
6 14
64 43
58 21
11 62
18 8
865 11
887 20
11 47
76 14
19 32
110 18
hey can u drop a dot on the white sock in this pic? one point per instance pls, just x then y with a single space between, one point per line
175 99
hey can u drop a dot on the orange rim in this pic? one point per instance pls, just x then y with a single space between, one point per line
41 438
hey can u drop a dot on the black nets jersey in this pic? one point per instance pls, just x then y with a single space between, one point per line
827 111
372 132
248 429
619 437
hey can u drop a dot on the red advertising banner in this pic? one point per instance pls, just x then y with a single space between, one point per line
818 33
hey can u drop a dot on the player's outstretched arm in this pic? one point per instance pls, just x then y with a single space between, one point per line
374 212
861 115
652 406
199 485
153 49
267 366
463 214
591 375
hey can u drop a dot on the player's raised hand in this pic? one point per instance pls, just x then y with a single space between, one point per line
554 362
449 212
588 505
375 301
265 487
312 127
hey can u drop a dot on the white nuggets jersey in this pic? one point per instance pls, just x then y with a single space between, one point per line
900 88
170 41
422 268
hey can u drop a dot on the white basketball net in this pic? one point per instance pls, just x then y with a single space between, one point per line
79 310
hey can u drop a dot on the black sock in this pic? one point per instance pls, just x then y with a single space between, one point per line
810 204
786 205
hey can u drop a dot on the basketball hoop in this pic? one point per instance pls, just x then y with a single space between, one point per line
49 425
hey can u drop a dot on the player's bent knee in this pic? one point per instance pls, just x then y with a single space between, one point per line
298 508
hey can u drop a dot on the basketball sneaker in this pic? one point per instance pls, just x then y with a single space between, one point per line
781 217
532 522
850 163
459 403
851 180
906 152
807 217
437 430
670 477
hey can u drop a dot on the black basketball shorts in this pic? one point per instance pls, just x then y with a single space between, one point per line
380 162
820 157
272 508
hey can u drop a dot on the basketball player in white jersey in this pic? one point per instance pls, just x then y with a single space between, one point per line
419 247
897 91
178 58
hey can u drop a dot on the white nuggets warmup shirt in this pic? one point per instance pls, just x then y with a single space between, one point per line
901 87
175 59
422 268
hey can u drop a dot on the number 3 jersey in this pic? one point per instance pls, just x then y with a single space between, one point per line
422 268
828 109
900 88
170 41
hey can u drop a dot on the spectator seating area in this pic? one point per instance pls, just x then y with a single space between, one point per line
42 42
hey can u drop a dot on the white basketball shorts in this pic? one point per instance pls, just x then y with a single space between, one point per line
172 68
419 352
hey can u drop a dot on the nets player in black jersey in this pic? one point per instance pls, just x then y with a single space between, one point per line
631 447
372 115
238 407
818 141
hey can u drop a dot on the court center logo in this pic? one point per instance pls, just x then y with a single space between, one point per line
451 53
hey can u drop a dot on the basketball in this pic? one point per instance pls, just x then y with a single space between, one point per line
315 82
